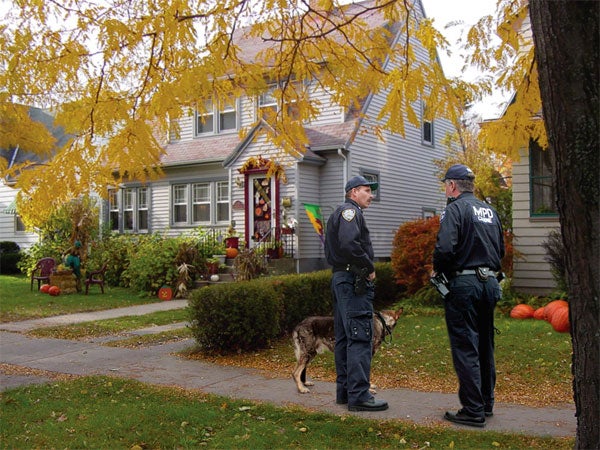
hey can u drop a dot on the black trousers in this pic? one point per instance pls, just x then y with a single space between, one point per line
469 309
353 325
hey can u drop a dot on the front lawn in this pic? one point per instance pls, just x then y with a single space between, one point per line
103 413
19 302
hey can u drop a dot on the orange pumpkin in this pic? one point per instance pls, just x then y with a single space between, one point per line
539 313
551 307
165 293
522 311
560 319
54 291
231 252
44 288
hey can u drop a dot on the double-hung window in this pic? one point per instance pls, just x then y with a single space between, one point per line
128 209
542 189
217 118
200 203
270 102
180 203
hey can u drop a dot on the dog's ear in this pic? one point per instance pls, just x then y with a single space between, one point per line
398 313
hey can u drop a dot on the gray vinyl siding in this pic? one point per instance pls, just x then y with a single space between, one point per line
329 111
531 272
8 221
409 183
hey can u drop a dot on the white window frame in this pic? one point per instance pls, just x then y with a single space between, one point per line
180 202
215 198
203 200
267 100
216 114
127 201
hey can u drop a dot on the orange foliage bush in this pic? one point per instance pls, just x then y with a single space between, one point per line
412 253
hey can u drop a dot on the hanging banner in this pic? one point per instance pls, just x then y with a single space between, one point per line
316 218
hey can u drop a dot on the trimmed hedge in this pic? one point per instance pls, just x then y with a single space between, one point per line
234 317
10 255
247 315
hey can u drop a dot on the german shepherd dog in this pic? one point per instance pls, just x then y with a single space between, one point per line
315 335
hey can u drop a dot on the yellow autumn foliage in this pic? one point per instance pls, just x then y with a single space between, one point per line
117 75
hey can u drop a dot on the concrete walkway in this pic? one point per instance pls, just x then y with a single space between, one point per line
160 365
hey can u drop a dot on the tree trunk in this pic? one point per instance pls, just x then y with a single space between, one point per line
566 37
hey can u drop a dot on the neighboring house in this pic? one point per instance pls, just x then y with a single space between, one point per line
211 177
535 215
11 226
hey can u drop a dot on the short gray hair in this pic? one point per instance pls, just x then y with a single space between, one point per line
464 185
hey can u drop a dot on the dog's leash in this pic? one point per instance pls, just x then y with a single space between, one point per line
386 329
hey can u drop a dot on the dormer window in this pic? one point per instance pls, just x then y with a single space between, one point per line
227 118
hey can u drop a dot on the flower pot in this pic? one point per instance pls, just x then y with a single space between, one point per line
232 242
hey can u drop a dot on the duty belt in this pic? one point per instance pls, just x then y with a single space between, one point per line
474 272
345 268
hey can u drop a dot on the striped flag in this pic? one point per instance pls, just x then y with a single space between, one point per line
316 218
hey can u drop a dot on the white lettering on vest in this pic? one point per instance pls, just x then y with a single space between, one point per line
483 214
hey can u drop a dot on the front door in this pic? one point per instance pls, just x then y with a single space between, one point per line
262 206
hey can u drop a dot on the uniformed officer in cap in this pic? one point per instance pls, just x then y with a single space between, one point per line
469 250
349 251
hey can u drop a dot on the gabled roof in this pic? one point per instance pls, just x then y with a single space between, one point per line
227 147
249 46
19 154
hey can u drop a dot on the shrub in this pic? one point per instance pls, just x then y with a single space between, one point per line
556 257
9 257
153 264
45 249
387 291
235 317
115 250
302 295
412 253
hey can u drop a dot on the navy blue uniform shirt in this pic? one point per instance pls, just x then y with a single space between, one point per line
347 239
470 236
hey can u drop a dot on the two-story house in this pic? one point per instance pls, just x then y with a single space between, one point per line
12 227
213 177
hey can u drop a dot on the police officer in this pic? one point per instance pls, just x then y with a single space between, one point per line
348 249
469 249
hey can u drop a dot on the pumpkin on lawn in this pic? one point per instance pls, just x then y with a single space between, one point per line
522 311
54 291
165 293
551 307
44 288
539 313
560 319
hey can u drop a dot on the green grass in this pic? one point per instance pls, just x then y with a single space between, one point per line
112 326
102 412
533 362
20 303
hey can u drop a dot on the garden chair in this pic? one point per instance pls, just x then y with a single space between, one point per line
42 271
95 277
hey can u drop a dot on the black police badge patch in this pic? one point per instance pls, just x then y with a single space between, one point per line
348 215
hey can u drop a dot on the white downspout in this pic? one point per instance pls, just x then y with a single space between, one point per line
344 167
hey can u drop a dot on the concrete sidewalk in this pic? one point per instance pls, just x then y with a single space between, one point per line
160 365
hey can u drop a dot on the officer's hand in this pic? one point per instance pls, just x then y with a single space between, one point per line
371 276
